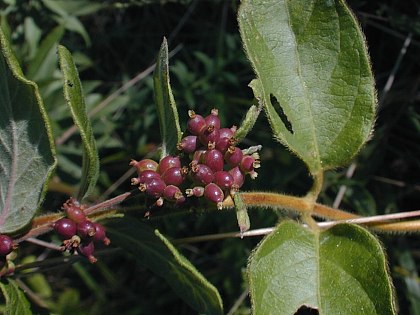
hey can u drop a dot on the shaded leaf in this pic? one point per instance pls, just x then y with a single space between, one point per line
16 302
74 97
27 153
342 269
170 130
313 77
152 250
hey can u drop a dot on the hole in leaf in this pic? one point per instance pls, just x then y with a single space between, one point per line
306 310
279 110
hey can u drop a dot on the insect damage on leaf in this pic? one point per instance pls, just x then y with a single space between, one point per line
280 112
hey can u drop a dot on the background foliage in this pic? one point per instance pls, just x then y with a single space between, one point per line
114 44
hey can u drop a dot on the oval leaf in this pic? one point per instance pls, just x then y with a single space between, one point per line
313 77
74 97
16 302
342 269
27 153
170 130
152 250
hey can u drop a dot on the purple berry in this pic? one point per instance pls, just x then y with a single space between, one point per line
223 179
100 234
196 191
167 162
238 177
65 227
86 229
214 160
6 245
74 210
233 156
209 135
196 123
145 176
224 143
188 144
202 174
87 250
174 175
197 157
153 187
214 193
227 132
173 193
143 165
213 119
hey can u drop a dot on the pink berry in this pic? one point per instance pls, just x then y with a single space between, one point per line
65 227
214 193
188 144
145 176
233 156
196 191
86 229
238 177
214 160
74 210
249 162
143 165
100 234
6 245
153 187
167 162
197 156
202 174
174 175
213 119
209 135
196 123
87 250
172 193
226 132
223 179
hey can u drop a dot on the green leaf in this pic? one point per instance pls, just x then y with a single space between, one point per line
27 153
170 130
74 97
154 251
16 302
342 269
313 77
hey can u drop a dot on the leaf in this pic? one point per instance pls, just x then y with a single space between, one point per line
16 302
170 130
313 77
74 97
27 152
154 251
340 269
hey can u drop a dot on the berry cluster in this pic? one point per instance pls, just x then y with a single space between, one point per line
79 233
6 247
209 164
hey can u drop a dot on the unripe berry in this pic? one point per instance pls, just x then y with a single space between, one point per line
238 177
65 227
100 234
145 164
153 187
86 229
167 162
188 144
213 119
214 193
223 179
233 156
74 210
6 245
214 160
202 174
87 250
196 123
174 175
